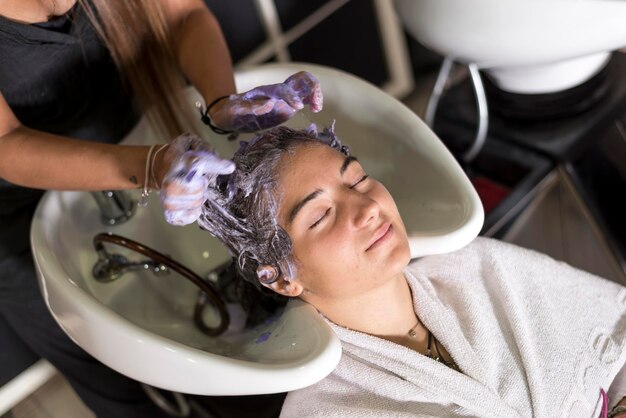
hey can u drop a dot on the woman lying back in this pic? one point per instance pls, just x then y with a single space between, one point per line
491 330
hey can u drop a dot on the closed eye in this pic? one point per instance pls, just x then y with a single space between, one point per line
361 180
320 219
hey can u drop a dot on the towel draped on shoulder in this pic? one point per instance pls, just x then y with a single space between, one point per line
533 337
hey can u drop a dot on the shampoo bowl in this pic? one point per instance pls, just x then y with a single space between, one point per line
141 324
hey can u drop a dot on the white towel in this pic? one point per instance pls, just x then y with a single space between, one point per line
534 338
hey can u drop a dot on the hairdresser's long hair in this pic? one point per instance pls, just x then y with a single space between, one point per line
138 38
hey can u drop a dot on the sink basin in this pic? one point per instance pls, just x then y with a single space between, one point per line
527 46
141 324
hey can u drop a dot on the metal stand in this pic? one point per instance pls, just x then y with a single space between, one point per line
481 104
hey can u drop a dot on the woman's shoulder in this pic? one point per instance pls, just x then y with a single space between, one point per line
491 260
320 399
486 245
479 248
486 259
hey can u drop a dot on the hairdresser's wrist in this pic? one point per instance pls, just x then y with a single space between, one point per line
217 109
159 169
217 105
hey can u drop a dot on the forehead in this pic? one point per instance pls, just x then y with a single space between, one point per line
306 160
305 169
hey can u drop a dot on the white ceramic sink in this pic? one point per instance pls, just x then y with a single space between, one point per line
527 46
141 324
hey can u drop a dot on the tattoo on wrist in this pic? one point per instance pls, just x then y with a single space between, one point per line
133 179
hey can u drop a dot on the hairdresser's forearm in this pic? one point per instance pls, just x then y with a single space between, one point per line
201 51
40 160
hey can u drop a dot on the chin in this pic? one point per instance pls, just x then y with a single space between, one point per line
399 258
406 256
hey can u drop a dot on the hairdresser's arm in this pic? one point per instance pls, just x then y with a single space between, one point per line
40 160
200 48
203 56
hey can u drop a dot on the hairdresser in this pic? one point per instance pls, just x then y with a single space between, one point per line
74 78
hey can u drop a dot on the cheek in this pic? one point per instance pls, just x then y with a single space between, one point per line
325 264
324 249
384 198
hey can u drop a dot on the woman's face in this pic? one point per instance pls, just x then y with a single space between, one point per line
348 237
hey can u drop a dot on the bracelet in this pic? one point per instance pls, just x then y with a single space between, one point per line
143 199
152 176
616 410
204 116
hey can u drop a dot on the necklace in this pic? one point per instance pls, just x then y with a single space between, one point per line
433 350
412 332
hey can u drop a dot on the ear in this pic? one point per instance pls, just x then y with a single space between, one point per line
268 278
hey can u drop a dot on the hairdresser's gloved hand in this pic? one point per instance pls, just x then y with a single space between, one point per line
267 106
191 166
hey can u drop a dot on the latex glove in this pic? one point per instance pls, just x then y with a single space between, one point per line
193 167
267 106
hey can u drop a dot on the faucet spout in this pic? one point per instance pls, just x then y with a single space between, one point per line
115 206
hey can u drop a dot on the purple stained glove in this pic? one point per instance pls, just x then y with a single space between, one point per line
267 106
193 168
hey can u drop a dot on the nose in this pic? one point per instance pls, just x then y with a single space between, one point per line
366 210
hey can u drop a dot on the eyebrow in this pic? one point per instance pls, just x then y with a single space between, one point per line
346 163
316 193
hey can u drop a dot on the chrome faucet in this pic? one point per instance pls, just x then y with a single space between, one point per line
115 206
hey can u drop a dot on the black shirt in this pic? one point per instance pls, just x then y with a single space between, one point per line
57 77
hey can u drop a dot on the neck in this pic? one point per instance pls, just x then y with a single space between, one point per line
386 311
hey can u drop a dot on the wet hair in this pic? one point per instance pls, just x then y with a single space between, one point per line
242 211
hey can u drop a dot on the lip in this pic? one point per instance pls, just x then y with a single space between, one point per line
382 235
